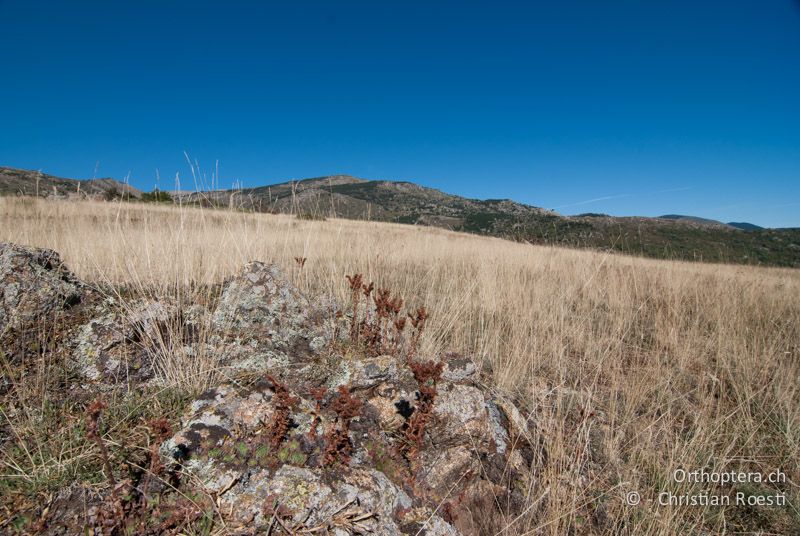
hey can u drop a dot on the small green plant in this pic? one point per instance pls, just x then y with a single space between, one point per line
291 452
261 452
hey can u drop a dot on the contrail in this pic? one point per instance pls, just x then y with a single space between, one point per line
607 197
595 200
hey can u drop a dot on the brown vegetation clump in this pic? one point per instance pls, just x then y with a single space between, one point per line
387 311
355 282
380 330
161 430
337 438
418 323
283 403
318 394
93 413
376 338
427 374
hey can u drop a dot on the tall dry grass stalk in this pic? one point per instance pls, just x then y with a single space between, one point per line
630 367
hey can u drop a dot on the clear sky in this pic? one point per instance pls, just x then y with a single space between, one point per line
639 107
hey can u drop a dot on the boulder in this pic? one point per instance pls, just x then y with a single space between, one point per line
274 443
262 321
118 343
35 287
308 432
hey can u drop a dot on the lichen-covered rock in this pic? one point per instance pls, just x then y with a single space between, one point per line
262 321
468 451
223 444
271 444
368 372
308 432
118 343
458 368
35 286
361 501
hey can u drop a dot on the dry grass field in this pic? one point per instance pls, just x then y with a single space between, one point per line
630 368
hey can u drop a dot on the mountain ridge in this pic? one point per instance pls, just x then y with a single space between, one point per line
670 236
14 181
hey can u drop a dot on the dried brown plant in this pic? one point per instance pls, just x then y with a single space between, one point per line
301 261
337 438
93 413
367 289
283 402
112 514
387 311
161 430
356 286
427 374
418 323
399 327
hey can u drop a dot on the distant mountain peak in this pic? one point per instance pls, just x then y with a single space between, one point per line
15 181
672 236
745 226
693 219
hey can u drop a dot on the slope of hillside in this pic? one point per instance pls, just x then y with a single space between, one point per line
345 196
24 182
626 368
745 226
667 237
693 219
353 198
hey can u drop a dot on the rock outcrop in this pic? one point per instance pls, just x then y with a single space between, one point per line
474 460
262 321
119 343
309 431
34 284
35 288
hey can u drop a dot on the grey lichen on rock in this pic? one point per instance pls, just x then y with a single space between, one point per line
119 343
262 321
469 451
34 287
305 426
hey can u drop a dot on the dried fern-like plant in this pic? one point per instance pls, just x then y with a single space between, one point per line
93 413
427 375
356 287
281 420
337 438
418 323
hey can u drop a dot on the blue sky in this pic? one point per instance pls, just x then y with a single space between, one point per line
623 107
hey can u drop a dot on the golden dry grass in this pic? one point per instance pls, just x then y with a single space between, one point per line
630 368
